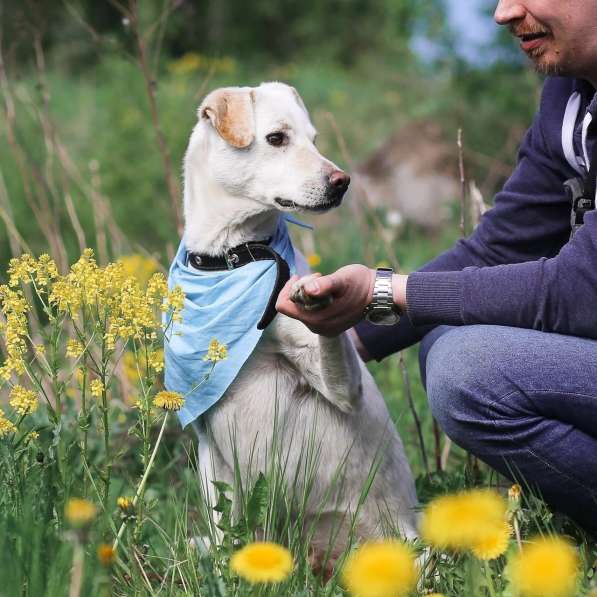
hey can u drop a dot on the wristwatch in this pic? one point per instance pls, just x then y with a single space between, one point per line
382 310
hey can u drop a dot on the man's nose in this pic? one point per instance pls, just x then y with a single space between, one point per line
509 10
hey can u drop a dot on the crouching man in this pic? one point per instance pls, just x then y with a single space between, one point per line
508 316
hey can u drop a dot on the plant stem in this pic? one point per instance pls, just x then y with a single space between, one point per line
76 579
141 487
490 586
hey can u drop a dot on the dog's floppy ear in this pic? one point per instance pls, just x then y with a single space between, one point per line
230 111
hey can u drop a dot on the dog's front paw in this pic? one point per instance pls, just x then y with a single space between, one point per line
309 303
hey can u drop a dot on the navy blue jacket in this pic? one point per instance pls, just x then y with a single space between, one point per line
518 268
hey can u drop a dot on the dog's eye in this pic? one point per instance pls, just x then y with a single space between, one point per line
276 139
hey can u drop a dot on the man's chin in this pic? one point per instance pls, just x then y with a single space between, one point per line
548 66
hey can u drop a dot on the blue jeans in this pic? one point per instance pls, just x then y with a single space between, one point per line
524 402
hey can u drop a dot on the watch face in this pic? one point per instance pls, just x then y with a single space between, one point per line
383 318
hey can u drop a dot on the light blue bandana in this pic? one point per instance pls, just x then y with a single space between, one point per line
222 304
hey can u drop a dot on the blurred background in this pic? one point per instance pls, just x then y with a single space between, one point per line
98 98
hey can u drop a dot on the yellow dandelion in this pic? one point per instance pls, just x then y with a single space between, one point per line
313 259
493 544
6 427
96 388
463 520
262 562
74 349
380 569
23 401
105 554
545 567
79 512
216 351
125 505
168 400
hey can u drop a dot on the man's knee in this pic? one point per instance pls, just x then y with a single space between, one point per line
460 383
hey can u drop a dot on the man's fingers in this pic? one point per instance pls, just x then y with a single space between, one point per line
332 285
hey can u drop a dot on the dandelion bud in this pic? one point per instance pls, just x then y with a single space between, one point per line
125 505
105 555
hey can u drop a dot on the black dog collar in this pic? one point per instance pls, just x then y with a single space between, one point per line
241 255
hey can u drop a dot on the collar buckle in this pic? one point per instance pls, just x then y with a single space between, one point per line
231 259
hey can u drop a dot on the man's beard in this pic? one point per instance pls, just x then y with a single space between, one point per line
549 68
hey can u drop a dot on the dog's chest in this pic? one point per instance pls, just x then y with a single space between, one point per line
271 369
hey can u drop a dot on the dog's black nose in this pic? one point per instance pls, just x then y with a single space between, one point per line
339 181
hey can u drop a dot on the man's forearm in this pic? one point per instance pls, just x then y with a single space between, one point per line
399 282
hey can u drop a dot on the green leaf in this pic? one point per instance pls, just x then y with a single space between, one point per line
257 503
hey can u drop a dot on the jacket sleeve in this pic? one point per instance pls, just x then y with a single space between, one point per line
557 294
529 221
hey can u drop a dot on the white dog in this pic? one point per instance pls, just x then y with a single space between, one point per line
250 157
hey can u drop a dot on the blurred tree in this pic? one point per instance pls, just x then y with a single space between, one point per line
340 30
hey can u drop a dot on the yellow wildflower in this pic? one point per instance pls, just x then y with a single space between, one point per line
23 401
97 387
168 400
14 307
262 562
187 63
157 288
79 512
110 339
493 544
74 349
216 352
545 567
32 436
175 303
6 426
125 504
45 270
105 554
21 269
313 259
156 360
381 569
463 520
139 266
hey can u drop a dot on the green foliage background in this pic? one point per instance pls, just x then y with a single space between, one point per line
351 59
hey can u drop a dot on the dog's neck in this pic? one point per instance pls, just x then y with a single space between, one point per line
216 221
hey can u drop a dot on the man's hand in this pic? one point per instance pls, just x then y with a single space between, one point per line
351 288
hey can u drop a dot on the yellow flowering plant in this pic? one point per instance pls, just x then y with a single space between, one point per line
85 320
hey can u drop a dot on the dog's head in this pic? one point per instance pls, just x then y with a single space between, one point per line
257 144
